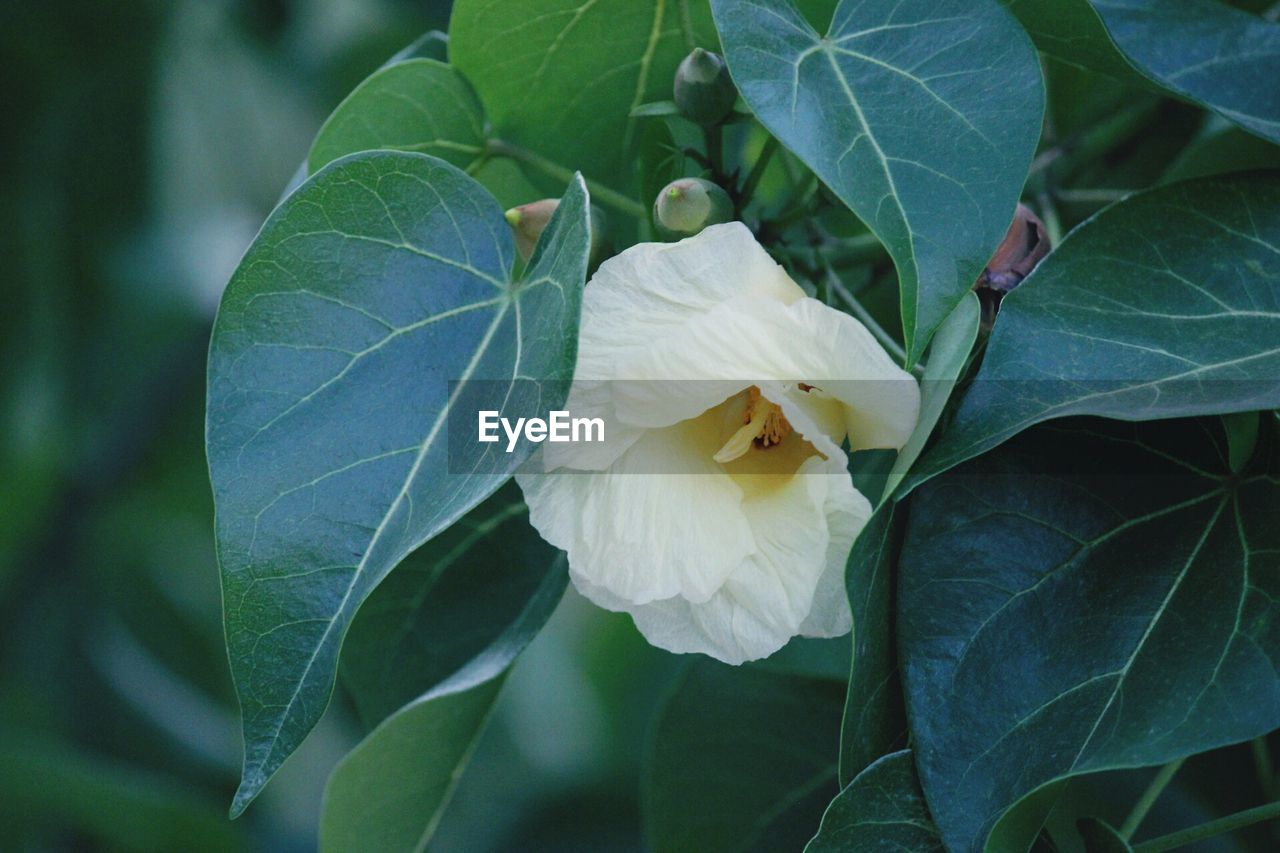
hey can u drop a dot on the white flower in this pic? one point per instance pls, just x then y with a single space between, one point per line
718 513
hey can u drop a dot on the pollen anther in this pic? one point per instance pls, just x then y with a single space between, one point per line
765 426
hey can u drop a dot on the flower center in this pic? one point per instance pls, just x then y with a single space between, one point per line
765 427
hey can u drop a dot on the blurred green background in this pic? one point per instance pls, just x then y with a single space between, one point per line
143 142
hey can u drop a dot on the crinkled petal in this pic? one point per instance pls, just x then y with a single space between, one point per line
651 291
803 532
750 340
645 530
848 511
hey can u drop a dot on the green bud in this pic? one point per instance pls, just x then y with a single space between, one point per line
703 91
686 206
529 220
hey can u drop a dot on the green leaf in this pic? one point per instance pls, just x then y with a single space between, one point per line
920 115
446 625
1164 305
948 354
561 77
880 809
453 599
1220 150
1090 597
741 759
373 297
390 792
874 718
416 105
656 108
1100 837
1202 50
1242 437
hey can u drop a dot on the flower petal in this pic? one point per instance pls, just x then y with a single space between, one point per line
749 340
640 532
651 291
803 532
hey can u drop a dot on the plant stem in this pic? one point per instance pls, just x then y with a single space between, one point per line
1229 823
855 307
1266 772
1070 155
1049 214
1148 799
1092 196
714 137
798 211
757 172
602 194
686 25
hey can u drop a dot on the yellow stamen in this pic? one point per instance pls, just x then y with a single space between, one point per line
765 425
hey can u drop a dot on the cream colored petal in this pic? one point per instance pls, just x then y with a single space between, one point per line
848 511
748 340
882 401
640 532
801 530
650 292
589 399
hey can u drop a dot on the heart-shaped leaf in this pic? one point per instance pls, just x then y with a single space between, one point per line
562 77
375 295
415 105
881 809
920 115
439 633
1164 305
741 759
1202 50
1091 596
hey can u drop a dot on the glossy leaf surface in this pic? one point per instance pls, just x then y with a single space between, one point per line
922 116
374 297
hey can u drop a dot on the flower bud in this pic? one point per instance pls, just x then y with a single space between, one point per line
686 206
1024 245
703 91
529 220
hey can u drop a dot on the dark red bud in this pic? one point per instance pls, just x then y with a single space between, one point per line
1025 244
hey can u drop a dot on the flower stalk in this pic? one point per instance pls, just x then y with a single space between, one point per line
550 168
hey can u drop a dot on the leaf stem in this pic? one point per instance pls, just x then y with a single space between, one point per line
686 25
1148 799
714 137
550 168
1229 823
1091 196
1049 213
757 172
1070 155
1266 771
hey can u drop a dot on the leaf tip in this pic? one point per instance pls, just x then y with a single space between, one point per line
245 794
